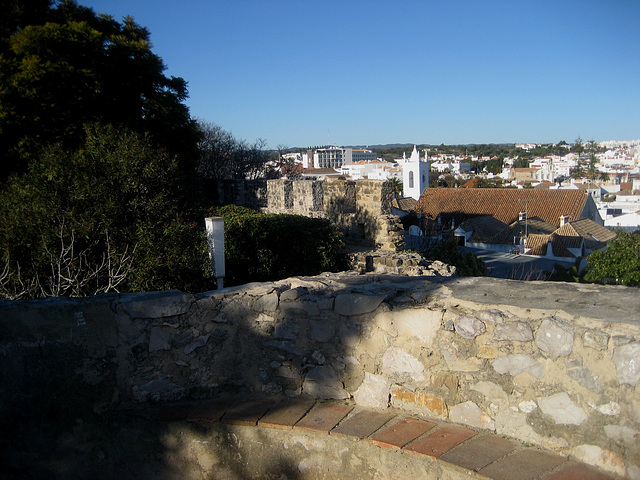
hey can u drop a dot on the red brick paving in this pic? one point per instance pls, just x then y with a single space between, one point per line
478 452
440 441
286 414
491 456
362 424
323 417
578 472
247 412
403 432
522 465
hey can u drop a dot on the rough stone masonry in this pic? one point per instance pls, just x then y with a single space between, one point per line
551 364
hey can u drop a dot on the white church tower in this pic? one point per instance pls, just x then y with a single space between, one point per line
415 174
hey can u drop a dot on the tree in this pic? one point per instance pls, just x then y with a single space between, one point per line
619 263
577 171
396 187
578 146
63 66
592 148
223 156
108 216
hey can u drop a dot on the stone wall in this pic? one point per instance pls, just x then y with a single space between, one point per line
550 364
362 209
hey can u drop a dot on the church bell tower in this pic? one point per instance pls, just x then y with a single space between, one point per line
415 174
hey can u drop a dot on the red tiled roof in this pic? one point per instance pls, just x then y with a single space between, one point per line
405 204
560 245
538 244
595 236
504 204
521 228
484 228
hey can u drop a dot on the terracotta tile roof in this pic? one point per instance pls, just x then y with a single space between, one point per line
484 228
538 244
504 204
560 245
595 236
522 228
320 171
405 204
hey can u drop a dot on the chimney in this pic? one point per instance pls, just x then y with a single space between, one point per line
522 216
563 220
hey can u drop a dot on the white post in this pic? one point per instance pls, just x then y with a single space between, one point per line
215 240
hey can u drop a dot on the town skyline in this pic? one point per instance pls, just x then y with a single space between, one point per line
460 72
602 143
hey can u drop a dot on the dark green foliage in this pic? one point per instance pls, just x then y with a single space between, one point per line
619 263
261 247
106 217
563 274
64 66
467 264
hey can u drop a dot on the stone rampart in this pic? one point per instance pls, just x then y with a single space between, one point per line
362 209
551 364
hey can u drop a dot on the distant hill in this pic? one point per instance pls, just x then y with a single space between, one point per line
388 145
405 145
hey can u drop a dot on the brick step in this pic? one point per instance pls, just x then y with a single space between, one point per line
483 454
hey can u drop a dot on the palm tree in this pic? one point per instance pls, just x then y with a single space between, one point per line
396 187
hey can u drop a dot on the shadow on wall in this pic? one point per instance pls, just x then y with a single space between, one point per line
450 348
69 367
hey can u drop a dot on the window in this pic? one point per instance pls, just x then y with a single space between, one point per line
410 179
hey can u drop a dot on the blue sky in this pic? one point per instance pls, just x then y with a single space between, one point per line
311 72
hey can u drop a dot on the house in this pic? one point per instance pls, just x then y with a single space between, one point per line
595 236
524 175
557 224
535 237
452 206
572 240
489 233
321 173
403 206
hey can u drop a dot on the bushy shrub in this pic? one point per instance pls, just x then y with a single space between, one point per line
106 217
261 247
619 263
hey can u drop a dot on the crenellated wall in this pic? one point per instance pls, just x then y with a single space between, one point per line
551 364
361 209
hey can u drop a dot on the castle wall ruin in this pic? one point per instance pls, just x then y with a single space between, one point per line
360 209
550 364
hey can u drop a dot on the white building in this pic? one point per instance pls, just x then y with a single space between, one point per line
456 167
415 174
372 170
336 157
628 221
